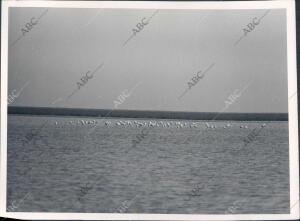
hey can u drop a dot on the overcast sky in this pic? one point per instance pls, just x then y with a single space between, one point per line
157 62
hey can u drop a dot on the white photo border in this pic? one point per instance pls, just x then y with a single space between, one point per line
289 5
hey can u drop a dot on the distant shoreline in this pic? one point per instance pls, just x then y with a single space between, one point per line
79 112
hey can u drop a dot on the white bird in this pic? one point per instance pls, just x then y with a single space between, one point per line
194 125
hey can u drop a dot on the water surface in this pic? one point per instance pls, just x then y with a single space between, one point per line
63 169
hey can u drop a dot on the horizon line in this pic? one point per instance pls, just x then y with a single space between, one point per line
160 114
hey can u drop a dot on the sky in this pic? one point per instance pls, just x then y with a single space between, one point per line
154 68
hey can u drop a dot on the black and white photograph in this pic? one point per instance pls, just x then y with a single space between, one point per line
149 110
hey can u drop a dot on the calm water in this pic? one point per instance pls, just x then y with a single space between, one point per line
63 170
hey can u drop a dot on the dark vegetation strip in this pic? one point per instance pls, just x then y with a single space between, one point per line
146 114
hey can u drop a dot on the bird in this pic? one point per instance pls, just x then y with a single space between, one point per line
207 125
194 125
127 123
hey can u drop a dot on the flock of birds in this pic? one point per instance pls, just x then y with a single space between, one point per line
153 123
